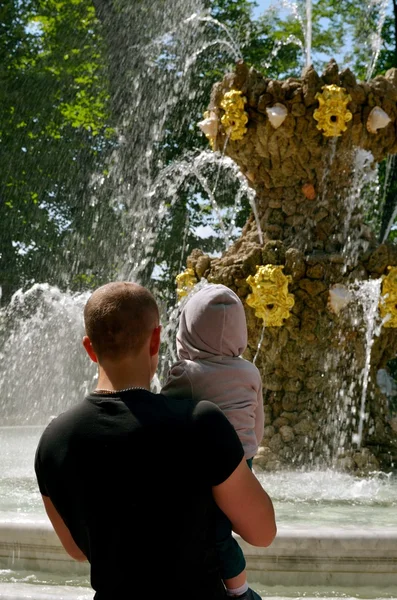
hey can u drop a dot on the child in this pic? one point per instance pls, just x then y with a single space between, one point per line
211 337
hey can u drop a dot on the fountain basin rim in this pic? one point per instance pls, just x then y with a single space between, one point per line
329 556
41 525
333 541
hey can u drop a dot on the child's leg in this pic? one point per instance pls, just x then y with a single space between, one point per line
231 557
237 586
232 561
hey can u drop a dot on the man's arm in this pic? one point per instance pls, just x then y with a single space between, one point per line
249 508
62 531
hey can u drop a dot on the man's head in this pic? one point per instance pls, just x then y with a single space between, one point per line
121 319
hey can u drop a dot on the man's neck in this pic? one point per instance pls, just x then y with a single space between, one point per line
116 385
121 376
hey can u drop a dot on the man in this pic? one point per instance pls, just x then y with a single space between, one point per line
128 477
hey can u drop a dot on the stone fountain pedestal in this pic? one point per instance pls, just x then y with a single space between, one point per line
305 145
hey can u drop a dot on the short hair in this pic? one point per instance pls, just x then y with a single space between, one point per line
119 317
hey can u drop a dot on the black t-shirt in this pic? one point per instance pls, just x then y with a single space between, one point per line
131 476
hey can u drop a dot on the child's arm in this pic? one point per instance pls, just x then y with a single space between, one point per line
178 383
259 414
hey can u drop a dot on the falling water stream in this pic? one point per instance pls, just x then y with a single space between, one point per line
259 346
232 42
380 7
390 166
368 295
308 31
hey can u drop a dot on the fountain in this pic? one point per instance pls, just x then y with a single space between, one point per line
328 452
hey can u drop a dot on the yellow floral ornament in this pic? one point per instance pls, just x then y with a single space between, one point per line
185 282
235 118
332 114
388 301
270 297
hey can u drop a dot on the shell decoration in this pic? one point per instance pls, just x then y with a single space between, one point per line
388 301
235 118
339 297
185 282
332 114
277 114
210 126
270 297
377 119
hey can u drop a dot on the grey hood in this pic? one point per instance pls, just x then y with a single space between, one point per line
212 323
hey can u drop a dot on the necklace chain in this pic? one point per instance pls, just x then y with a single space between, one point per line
104 391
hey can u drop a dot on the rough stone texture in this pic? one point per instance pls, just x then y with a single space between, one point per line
312 222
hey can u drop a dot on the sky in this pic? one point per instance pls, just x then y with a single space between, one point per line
264 5
283 10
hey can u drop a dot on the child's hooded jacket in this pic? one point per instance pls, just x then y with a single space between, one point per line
211 337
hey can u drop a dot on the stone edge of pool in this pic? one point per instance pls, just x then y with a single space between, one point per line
299 556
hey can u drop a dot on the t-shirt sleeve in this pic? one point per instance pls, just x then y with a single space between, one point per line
38 467
217 442
44 455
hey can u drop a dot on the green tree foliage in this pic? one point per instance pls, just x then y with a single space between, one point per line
388 171
54 127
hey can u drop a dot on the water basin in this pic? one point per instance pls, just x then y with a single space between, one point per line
310 498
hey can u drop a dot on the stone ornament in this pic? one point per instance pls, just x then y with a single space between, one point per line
185 282
277 114
235 118
270 297
332 114
377 119
339 297
388 302
209 126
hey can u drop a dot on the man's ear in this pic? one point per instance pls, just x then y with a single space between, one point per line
155 341
89 349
